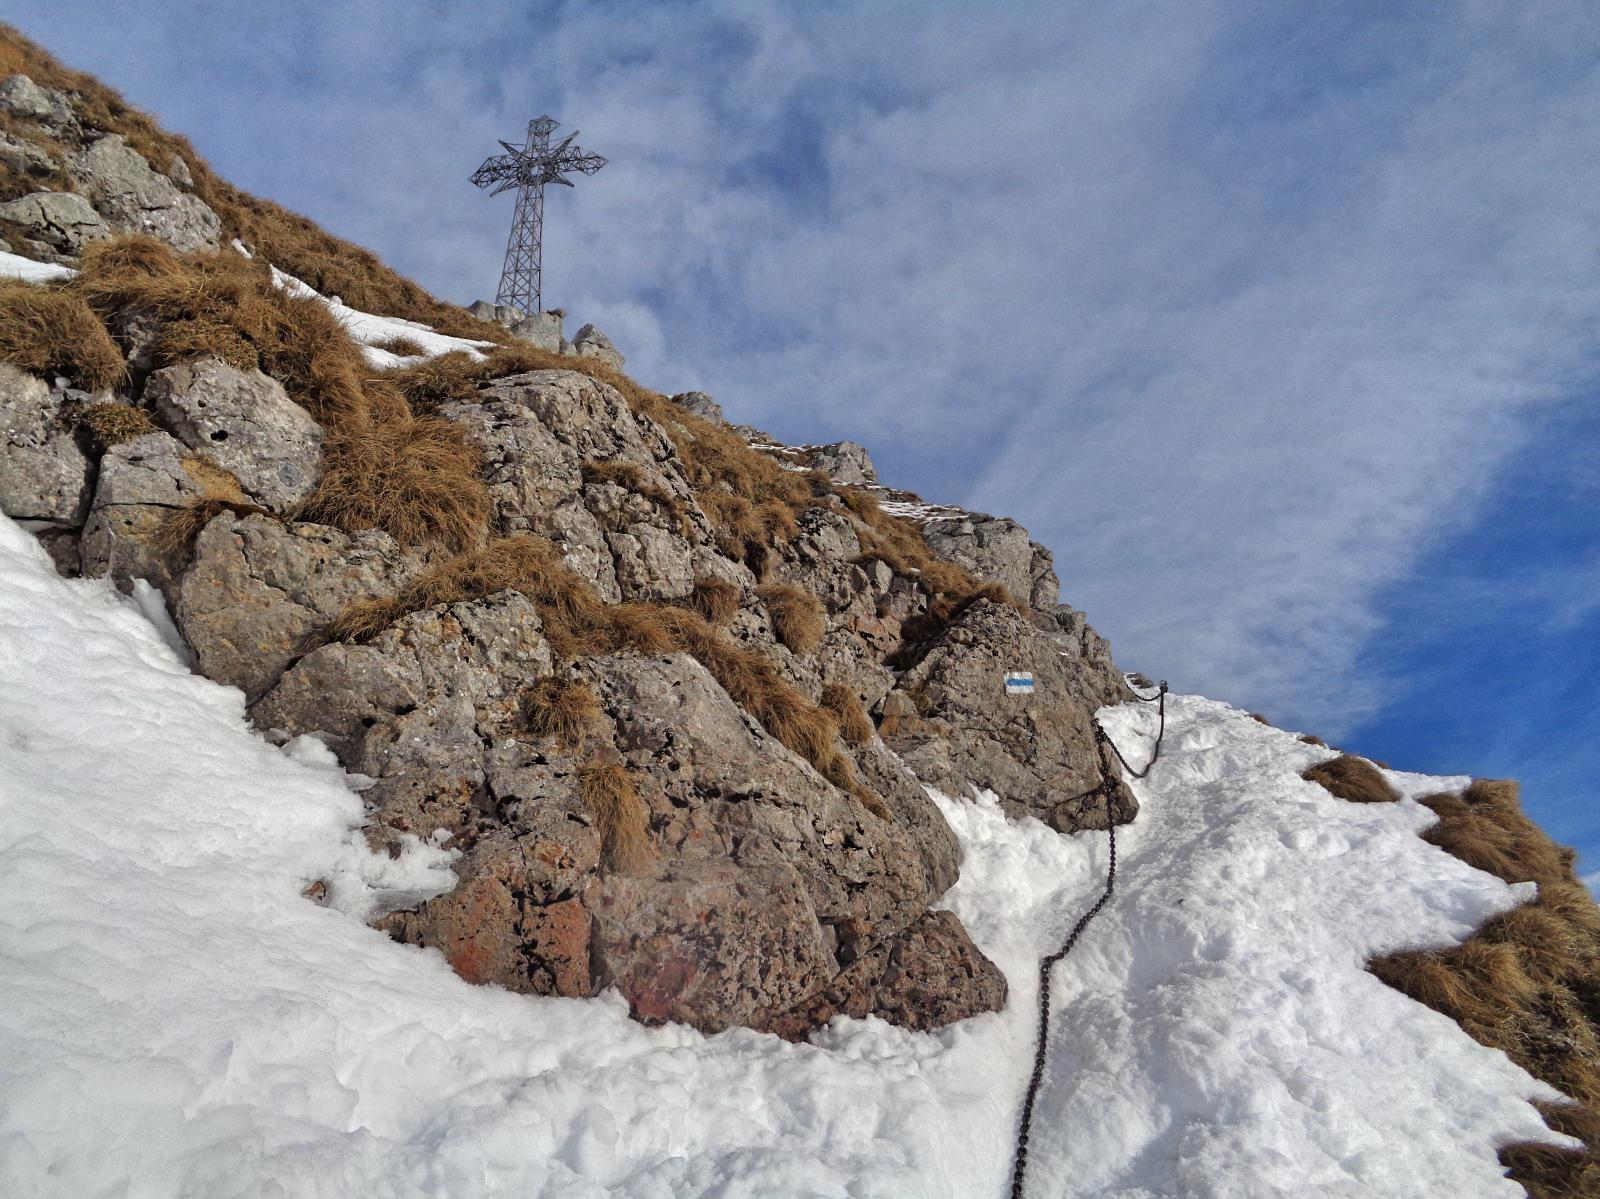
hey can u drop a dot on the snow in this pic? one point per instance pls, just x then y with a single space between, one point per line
15 266
176 1018
369 330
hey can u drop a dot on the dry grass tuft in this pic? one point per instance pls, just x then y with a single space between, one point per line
1484 826
1313 739
620 815
415 479
112 424
405 347
572 613
855 726
50 331
943 610
1527 982
797 617
560 708
716 600
1352 778
181 526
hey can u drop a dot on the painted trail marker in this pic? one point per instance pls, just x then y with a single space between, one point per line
1019 682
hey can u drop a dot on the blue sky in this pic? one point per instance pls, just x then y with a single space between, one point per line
1277 323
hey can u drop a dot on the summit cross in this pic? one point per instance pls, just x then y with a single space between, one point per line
528 168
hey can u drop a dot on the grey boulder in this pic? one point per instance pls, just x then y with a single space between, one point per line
135 198
64 221
44 476
246 422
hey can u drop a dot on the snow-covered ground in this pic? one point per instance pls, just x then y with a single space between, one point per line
176 1019
15 266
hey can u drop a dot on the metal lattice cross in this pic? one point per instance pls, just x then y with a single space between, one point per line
528 168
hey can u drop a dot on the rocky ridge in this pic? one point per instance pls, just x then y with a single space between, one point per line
677 731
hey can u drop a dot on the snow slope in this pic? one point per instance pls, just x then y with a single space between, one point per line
176 1019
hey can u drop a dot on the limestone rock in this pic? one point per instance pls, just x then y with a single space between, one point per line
482 309
565 457
416 707
542 329
62 220
591 343
25 159
929 975
699 403
996 547
845 462
256 590
955 726
246 422
22 97
142 483
44 476
134 198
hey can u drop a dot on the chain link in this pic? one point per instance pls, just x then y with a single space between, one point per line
1107 788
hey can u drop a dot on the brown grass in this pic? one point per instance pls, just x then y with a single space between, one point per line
796 615
405 347
1484 826
563 709
50 331
112 424
1312 739
416 479
620 815
1352 778
943 610
219 492
1527 982
716 600
855 726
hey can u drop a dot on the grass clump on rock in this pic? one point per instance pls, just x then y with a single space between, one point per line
112 424
562 709
855 726
50 331
620 815
796 615
1352 778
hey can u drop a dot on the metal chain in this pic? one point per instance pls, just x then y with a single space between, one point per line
1107 788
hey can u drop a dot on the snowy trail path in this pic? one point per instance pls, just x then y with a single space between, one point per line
1215 1033
177 1020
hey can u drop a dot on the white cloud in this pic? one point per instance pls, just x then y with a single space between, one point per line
1238 309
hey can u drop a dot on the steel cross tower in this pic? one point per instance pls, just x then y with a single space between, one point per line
528 168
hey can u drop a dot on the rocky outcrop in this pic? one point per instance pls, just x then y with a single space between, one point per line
135 198
567 458
257 591
844 462
142 484
589 342
951 720
64 221
247 424
996 547
542 329
44 475
22 97
699 403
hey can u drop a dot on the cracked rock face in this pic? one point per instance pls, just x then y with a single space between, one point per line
952 721
44 476
134 198
552 441
256 591
142 482
996 547
22 97
64 221
245 422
